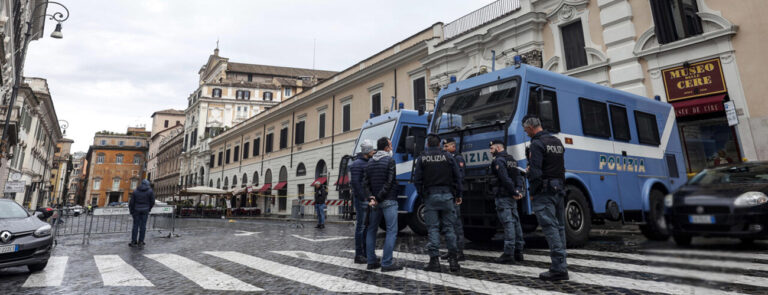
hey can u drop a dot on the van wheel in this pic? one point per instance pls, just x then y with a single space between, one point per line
578 218
37 266
416 219
655 227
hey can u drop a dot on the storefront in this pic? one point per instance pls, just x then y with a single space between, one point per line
699 95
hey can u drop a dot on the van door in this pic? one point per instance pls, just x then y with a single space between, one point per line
629 195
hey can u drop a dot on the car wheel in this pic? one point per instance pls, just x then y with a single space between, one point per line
655 227
37 266
417 222
682 239
578 218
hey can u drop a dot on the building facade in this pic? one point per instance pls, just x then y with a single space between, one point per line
167 182
77 180
61 171
164 123
116 165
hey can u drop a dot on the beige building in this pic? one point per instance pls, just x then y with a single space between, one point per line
60 172
164 123
167 182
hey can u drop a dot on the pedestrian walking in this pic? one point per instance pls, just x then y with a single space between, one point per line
141 203
380 185
360 198
321 194
546 175
507 189
436 176
449 146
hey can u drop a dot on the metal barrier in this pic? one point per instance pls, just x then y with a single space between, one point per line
110 220
308 206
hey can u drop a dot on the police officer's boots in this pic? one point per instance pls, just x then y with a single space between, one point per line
434 264
453 262
519 256
505 259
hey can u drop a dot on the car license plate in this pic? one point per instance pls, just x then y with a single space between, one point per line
701 219
9 249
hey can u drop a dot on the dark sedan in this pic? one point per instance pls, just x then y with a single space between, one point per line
24 238
726 201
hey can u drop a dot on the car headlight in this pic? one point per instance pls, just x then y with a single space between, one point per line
750 199
43 231
669 200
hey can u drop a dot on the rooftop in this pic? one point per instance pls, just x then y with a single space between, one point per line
278 71
168 111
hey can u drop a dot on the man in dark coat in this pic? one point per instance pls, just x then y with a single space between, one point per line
321 194
360 198
141 203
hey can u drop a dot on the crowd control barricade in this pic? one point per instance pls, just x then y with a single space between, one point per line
112 220
309 206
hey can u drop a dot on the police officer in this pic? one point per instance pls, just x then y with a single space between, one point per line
507 190
449 145
546 175
436 176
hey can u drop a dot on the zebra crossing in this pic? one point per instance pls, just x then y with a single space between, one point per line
665 271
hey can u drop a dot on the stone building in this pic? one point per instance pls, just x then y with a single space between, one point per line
116 165
76 190
167 182
164 123
60 173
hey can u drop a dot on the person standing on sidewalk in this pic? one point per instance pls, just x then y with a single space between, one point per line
449 146
321 194
381 187
141 203
360 199
436 176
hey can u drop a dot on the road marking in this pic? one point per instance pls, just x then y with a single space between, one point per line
744 255
668 259
116 272
206 277
326 239
660 270
448 280
246 233
322 281
51 276
576 277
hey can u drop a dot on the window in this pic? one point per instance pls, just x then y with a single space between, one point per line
234 181
299 137
287 92
138 143
121 143
376 104
216 92
227 156
103 142
284 137
675 19
268 143
267 95
185 142
647 128
573 45
221 156
218 183
345 113
237 154
119 159
250 77
178 122
136 159
100 158
193 138
301 170
321 126
134 183
256 146
242 112
594 118
419 94
418 132
255 178
226 182
246 147
165 124
211 162
243 94
543 104
116 184
620 123
97 183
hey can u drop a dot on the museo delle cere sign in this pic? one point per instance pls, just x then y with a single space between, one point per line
698 79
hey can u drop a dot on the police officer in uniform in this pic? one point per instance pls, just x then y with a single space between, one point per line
436 176
449 145
546 175
507 190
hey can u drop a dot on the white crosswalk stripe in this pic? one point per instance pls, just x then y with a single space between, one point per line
576 277
678 260
443 279
659 270
116 272
320 280
714 253
206 277
51 276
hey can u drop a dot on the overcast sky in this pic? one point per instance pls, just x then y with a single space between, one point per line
120 61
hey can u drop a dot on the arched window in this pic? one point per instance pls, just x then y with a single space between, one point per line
301 170
234 181
226 182
321 170
202 172
255 178
268 176
245 180
216 92
218 183
210 183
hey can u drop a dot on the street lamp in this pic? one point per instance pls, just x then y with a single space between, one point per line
63 124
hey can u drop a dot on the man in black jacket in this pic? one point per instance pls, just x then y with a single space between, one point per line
381 187
141 203
507 190
321 194
360 199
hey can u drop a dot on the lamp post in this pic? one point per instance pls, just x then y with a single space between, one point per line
59 17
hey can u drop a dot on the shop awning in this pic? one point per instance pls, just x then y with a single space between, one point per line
319 180
343 180
202 190
699 106
265 187
280 185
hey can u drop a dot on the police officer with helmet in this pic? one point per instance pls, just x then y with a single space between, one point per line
436 176
449 145
507 190
546 175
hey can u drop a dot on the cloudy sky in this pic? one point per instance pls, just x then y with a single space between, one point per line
120 61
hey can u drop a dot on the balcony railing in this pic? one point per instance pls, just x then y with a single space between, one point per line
479 17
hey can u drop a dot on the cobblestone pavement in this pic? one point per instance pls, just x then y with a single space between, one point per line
273 257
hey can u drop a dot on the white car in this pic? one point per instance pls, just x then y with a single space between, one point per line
77 210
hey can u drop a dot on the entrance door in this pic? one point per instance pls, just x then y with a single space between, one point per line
114 197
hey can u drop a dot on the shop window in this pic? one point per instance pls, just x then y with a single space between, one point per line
647 128
543 104
594 118
573 45
675 19
620 123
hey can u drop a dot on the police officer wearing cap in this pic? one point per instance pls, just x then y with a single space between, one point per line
449 145
546 175
507 190
436 176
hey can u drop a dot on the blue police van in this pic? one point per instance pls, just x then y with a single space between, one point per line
623 151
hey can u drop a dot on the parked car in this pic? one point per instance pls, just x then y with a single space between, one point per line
77 210
729 201
24 239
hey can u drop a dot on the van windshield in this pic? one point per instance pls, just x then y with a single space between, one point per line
375 132
476 108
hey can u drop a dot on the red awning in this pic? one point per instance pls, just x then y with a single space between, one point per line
265 187
280 185
699 106
319 180
343 180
